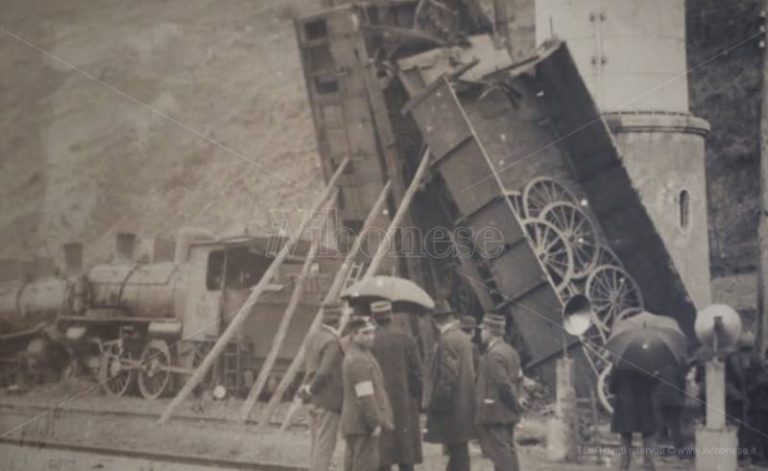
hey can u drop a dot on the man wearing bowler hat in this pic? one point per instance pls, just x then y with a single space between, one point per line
449 392
366 411
324 389
469 326
497 405
398 357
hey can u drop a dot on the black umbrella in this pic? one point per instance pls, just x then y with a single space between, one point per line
647 342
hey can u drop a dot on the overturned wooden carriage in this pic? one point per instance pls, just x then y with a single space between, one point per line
519 150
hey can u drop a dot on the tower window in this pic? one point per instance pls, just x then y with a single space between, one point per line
684 203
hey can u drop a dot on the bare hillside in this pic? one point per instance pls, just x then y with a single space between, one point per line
181 112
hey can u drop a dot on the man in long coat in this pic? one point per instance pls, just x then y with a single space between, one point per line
366 411
497 395
324 389
398 357
449 392
633 410
469 326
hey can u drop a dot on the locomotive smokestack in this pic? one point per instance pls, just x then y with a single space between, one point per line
73 258
125 244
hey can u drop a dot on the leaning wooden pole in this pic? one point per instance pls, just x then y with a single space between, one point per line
402 210
331 296
382 250
282 330
256 292
762 288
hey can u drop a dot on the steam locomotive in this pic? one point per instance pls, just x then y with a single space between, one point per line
145 321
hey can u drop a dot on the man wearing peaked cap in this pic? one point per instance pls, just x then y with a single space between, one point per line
381 310
449 392
324 388
366 410
398 356
497 396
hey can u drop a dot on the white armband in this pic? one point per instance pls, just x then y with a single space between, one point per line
364 389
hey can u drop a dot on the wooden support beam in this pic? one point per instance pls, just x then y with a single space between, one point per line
402 210
282 330
245 309
761 329
381 252
388 145
332 294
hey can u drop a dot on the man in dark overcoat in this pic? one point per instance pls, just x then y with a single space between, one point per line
449 392
324 389
469 326
398 357
497 393
633 410
366 411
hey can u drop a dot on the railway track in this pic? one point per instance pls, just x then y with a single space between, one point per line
74 409
26 455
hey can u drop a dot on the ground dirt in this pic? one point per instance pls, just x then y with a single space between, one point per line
228 440
148 116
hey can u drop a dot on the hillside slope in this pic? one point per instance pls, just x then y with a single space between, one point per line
183 112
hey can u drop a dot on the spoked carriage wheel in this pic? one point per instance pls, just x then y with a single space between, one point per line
603 394
543 191
552 250
516 200
116 373
606 256
611 290
154 377
580 233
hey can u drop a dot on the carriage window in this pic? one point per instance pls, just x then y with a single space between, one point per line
316 29
244 268
684 209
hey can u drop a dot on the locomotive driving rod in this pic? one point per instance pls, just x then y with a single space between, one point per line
245 309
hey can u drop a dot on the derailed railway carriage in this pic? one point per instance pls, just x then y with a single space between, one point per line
142 327
518 146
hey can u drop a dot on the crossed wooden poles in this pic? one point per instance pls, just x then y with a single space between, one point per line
324 202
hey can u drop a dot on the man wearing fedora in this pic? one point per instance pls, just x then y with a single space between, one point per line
398 357
469 326
366 410
449 392
324 389
497 396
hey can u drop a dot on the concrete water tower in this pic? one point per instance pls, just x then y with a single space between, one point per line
631 54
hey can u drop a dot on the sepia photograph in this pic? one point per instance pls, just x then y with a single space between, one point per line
379 235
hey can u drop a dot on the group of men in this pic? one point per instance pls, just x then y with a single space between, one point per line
370 384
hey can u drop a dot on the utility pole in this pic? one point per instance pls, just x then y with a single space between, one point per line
762 278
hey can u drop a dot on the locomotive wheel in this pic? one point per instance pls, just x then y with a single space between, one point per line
115 376
542 191
580 233
611 290
73 370
154 378
552 250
